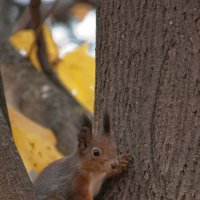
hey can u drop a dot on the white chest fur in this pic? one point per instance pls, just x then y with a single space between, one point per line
96 180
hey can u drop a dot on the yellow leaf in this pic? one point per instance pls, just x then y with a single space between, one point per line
35 143
77 71
25 40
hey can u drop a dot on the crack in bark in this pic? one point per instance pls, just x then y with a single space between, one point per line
152 126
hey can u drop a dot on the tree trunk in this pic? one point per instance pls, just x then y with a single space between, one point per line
3 105
14 181
148 78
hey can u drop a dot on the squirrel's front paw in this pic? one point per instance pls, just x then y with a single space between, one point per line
124 161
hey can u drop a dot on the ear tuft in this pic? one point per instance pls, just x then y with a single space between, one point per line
85 134
87 122
106 124
82 139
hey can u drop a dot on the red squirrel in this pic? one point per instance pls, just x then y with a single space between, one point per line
80 175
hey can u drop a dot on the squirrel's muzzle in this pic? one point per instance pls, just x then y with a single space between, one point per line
114 164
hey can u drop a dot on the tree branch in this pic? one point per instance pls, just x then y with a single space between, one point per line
40 41
14 181
38 98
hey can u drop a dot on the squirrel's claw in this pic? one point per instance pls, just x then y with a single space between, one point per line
124 161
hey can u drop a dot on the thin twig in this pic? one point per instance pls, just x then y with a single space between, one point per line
39 28
41 46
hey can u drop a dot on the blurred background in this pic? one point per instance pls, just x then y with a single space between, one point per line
71 22
58 38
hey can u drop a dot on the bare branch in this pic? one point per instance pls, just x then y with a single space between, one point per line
40 41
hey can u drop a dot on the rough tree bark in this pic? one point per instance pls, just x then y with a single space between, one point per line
148 78
3 103
14 181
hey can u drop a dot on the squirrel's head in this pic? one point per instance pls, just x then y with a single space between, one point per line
97 152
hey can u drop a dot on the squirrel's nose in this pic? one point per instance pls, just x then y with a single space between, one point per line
114 164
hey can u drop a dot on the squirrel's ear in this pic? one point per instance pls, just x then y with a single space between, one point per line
106 124
85 135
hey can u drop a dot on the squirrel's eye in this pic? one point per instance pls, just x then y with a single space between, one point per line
96 152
